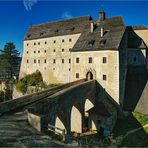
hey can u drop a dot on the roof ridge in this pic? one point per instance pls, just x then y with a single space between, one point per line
68 19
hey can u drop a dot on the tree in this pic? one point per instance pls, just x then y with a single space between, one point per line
9 59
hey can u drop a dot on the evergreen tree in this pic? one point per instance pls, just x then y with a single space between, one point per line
9 59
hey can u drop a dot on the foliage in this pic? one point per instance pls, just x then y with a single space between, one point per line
51 85
1 96
21 87
8 59
142 119
34 79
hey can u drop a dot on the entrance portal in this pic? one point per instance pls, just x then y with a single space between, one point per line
89 76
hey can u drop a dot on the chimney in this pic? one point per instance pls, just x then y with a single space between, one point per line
91 27
102 31
102 15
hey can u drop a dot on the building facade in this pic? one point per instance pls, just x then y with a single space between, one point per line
77 48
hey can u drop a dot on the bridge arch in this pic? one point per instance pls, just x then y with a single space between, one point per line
76 120
59 124
87 121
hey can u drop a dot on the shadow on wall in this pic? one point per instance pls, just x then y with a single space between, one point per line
131 137
136 78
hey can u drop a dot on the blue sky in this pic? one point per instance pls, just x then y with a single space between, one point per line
17 16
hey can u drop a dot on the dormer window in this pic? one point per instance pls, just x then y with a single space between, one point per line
73 28
42 33
91 43
102 42
56 30
29 35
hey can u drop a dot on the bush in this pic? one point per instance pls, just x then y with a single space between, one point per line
1 96
34 79
21 87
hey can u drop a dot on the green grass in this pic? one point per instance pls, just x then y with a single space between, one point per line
142 119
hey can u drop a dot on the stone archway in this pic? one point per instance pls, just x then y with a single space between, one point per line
89 76
76 120
88 105
59 124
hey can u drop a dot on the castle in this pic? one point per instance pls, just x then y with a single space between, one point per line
72 49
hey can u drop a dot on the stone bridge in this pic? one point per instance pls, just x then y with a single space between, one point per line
85 106
74 107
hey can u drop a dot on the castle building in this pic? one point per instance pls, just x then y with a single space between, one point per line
77 48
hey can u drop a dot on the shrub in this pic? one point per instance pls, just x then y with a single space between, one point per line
33 79
1 96
21 87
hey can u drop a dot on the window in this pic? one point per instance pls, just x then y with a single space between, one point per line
62 60
69 49
38 51
134 59
27 44
38 61
34 51
34 43
91 42
77 60
70 40
54 50
45 42
56 30
69 60
45 51
104 77
53 68
27 61
54 61
27 52
44 60
41 33
90 60
62 50
62 40
69 69
54 41
34 61
29 35
38 43
104 60
77 75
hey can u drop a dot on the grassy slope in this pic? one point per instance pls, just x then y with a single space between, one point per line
137 139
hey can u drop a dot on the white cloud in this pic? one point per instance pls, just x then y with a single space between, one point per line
67 14
29 4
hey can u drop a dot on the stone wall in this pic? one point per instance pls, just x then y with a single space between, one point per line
98 69
52 58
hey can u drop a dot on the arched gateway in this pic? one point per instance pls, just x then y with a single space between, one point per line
89 76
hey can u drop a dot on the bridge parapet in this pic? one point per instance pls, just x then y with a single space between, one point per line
23 101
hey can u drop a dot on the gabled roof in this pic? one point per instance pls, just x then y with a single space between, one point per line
114 29
134 41
58 28
139 28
